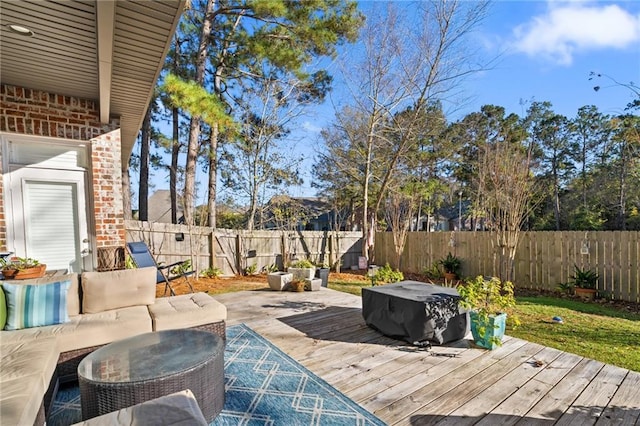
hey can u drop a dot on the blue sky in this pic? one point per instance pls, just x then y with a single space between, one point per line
545 51
551 47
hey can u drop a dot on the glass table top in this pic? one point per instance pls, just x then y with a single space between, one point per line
150 356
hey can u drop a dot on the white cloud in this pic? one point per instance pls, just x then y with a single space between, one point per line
569 28
310 127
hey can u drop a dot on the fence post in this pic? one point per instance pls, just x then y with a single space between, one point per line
239 253
213 262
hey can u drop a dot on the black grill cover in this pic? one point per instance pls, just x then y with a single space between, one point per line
415 312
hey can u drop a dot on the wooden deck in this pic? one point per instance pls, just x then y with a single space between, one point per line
519 383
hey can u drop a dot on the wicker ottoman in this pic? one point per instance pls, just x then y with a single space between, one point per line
151 365
180 408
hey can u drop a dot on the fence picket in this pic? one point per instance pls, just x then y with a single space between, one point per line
543 260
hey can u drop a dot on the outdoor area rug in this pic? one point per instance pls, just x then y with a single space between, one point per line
264 386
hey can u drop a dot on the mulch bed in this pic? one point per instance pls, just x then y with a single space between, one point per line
256 282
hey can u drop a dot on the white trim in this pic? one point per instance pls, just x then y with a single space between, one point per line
8 139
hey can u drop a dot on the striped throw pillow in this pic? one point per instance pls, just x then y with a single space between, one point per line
36 305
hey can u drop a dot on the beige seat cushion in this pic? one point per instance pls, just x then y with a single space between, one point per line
73 295
176 409
26 369
20 359
88 330
186 310
21 399
103 291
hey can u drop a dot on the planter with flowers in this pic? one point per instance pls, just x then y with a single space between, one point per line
488 300
302 269
22 268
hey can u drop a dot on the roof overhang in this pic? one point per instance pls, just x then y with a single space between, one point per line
109 51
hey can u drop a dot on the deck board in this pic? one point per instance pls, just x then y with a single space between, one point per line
519 383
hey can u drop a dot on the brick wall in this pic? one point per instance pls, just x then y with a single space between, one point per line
34 112
39 113
107 189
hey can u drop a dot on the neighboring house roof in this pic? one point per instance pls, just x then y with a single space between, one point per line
302 209
311 206
111 52
159 207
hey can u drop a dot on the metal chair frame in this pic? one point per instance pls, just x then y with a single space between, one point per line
142 257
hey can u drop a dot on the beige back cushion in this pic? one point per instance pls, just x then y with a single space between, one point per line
73 295
103 291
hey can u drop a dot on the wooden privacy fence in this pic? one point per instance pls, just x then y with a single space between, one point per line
543 259
234 250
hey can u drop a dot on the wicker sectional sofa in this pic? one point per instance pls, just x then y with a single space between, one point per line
102 307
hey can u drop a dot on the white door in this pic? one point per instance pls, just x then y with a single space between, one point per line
49 217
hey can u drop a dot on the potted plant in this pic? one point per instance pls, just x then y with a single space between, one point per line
451 265
488 300
22 268
297 285
584 282
302 269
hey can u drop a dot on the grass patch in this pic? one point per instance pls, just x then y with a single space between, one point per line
590 330
352 287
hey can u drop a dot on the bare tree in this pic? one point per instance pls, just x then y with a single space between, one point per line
399 209
254 162
401 73
508 188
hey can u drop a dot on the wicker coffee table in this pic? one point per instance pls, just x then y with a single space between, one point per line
151 365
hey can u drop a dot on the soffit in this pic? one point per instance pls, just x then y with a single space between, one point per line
63 56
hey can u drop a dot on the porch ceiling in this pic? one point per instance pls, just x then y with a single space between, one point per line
108 51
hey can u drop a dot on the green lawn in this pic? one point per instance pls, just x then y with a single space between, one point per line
588 329
353 287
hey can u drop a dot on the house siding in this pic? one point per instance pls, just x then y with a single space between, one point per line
34 112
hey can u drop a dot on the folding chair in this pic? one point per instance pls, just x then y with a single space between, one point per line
142 257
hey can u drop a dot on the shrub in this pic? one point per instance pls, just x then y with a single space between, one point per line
182 268
304 263
387 275
432 272
212 272
270 268
251 269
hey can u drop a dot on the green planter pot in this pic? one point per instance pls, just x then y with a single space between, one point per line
494 328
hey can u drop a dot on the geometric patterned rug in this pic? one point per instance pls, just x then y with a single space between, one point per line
263 386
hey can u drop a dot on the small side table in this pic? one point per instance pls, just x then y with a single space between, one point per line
134 370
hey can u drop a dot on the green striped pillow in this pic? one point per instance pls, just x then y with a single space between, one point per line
36 305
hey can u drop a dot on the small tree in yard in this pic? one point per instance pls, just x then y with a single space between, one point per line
508 188
399 211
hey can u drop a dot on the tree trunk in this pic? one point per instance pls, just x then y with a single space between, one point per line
213 173
622 192
194 127
143 192
556 195
173 169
